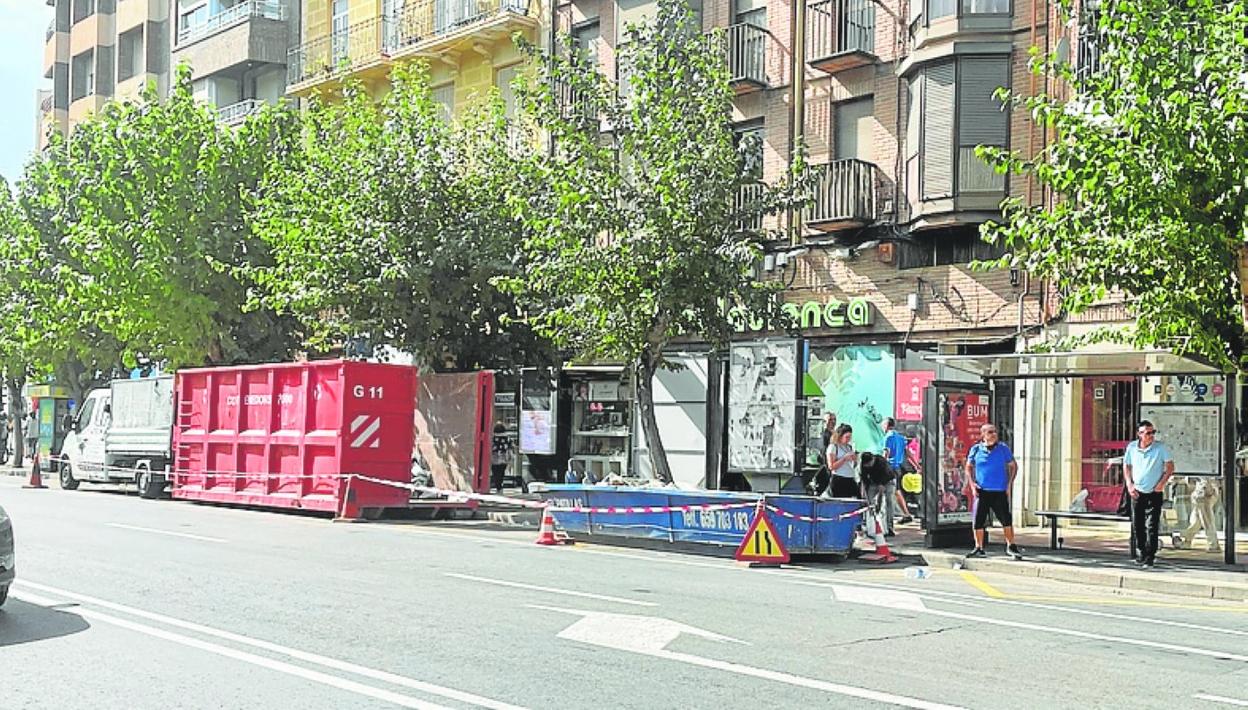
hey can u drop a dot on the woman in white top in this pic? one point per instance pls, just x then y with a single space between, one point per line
843 462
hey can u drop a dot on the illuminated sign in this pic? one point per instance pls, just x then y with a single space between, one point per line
834 313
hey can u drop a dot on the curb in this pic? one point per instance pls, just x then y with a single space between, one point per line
1101 577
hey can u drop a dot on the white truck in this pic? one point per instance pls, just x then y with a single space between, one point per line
122 433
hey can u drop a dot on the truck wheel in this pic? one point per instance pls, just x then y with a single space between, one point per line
68 482
143 480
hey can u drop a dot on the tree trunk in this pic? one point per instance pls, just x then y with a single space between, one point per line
646 365
17 418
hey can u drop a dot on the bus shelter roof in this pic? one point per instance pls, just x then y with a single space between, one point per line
1052 365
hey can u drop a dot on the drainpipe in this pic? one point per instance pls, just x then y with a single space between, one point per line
797 119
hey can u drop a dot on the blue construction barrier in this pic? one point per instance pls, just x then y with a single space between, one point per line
829 528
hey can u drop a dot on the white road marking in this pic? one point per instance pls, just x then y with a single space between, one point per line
648 636
166 532
887 598
845 594
406 701
550 590
1221 699
430 688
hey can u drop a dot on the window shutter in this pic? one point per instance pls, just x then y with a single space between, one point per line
938 104
981 121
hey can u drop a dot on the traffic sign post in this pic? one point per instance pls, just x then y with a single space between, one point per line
762 545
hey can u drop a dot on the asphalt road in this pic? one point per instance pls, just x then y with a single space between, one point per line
127 603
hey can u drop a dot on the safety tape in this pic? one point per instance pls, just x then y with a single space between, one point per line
817 519
625 510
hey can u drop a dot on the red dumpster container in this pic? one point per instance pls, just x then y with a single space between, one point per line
284 435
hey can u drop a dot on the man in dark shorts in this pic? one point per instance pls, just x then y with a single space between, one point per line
990 469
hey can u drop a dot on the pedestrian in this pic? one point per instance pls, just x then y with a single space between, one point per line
842 462
500 456
896 450
32 434
1204 497
822 478
1146 468
990 471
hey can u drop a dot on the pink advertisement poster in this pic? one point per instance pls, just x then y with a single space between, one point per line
910 386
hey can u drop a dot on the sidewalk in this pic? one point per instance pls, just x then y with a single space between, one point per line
1097 557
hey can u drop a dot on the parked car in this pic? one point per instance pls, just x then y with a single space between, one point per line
7 572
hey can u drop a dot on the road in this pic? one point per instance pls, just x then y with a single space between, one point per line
128 603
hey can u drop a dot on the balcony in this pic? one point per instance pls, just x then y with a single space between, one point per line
844 196
441 27
747 57
231 17
235 114
840 34
748 195
359 50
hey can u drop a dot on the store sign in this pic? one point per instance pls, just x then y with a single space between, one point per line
910 386
833 313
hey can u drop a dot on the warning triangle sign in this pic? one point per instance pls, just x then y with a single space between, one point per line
761 543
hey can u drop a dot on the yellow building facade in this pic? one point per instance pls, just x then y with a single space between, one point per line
467 44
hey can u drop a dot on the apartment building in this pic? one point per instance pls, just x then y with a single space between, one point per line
467 44
236 50
97 50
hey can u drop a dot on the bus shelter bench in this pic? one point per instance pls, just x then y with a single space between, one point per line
1053 516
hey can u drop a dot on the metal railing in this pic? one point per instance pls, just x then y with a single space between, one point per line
748 195
339 51
844 192
45 105
840 27
240 13
747 53
1088 47
237 113
425 20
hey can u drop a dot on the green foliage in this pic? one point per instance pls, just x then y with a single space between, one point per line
137 235
1153 193
392 224
637 234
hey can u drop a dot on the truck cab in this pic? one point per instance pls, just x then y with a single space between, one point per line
121 435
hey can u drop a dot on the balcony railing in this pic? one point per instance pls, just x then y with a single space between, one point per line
340 51
841 34
1089 45
748 195
235 114
747 56
844 195
45 106
240 13
427 20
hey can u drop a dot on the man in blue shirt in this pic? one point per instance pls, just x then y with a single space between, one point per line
895 451
1146 467
990 471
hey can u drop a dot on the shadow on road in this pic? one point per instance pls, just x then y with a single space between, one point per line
26 623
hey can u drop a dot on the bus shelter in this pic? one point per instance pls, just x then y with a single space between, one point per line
1201 431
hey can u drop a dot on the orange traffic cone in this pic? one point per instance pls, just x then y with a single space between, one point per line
882 553
547 535
36 476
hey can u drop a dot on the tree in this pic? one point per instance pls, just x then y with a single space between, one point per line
1153 195
16 336
638 234
391 226
138 238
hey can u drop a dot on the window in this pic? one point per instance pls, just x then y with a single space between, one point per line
192 19
130 54
585 40
938 9
84 416
339 30
855 129
444 95
952 246
985 7
82 10
82 75
952 110
750 12
502 80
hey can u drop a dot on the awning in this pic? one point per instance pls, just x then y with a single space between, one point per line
1078 364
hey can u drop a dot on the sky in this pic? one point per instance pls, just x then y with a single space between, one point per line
22 25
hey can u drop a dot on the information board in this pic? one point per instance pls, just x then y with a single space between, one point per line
1192 433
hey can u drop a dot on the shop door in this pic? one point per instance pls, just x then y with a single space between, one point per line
1109 405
